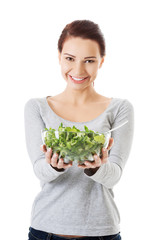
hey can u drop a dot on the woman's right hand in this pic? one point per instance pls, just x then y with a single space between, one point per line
58 165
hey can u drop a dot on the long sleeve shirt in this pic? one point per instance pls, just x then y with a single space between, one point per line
72 202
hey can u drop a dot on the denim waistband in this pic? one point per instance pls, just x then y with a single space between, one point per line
41 234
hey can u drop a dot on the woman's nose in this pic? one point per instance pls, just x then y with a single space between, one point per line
79 69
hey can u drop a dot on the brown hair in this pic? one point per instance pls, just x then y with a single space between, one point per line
85 29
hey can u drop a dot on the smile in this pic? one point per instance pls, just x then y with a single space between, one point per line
78 80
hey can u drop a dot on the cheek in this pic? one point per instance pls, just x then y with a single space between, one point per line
65 67
92 70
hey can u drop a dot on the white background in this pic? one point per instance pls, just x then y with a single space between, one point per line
29 68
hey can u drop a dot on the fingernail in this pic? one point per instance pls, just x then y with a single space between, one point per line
49 149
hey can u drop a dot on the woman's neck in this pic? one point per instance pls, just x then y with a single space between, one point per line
79 97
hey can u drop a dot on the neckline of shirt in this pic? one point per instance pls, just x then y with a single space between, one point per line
112 100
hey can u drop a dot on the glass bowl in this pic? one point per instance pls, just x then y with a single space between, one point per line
75 146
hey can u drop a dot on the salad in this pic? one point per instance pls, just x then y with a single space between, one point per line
72 144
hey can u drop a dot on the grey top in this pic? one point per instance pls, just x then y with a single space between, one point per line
72 202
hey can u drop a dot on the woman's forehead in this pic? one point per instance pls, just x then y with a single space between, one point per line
81 46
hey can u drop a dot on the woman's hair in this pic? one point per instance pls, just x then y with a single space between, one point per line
85 29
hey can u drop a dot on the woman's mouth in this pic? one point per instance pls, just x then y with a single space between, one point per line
77 80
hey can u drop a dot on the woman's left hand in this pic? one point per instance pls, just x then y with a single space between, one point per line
98 161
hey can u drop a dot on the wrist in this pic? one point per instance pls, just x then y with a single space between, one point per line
91 171
58 169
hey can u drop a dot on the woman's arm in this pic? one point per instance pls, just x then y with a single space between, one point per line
33 123
110 173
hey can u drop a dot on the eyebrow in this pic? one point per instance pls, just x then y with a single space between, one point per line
74 56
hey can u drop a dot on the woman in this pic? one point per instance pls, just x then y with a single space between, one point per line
77 201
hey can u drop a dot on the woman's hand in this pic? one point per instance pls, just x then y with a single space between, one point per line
98 161
58 165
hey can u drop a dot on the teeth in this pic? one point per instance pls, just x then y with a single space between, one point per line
78 79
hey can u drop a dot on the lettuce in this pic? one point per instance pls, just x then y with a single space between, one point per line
73 144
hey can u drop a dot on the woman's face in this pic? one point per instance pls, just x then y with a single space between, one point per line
80 60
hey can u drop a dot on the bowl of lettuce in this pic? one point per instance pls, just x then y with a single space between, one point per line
71 144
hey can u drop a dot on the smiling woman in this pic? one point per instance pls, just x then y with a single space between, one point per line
81 53
78 201
80 67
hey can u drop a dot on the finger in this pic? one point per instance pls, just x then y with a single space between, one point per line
43 148
68 164
97 160
111 142
88 164
83 165
48 155
104 153
60 163
104 156
54 159
104 160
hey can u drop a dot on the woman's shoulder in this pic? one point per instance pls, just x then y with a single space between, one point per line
122 107
123 101
35 103
126 103
35 100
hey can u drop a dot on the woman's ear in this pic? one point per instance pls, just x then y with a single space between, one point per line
102 61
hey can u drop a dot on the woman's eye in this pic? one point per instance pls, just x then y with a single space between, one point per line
69 58
90 61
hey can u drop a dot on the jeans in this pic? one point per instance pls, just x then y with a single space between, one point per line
40 235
